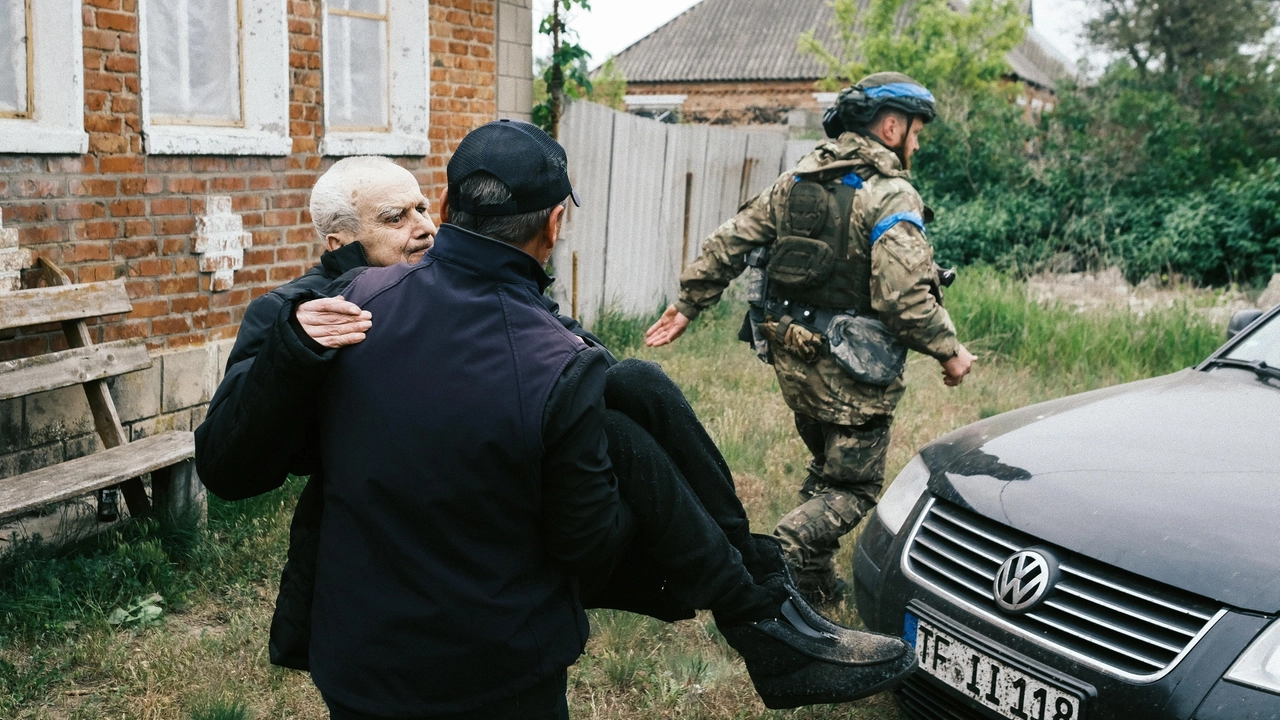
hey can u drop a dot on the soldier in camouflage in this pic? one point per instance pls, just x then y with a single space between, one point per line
844 282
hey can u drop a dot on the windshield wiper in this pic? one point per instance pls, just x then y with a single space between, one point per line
1259 367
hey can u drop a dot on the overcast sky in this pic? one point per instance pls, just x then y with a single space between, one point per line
612 25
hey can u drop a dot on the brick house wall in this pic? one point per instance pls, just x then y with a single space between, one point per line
759 102
118 212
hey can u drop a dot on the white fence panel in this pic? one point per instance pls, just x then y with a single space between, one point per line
764 158
635 272
682 198
651 193
796 150
722 191
587 136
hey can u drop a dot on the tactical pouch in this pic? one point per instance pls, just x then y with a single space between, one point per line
800 263
865 349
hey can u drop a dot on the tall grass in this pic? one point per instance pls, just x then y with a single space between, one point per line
993 314
47 591
621 333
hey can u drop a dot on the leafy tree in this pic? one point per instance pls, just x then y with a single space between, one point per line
926 39
1180 37
567 66
609 86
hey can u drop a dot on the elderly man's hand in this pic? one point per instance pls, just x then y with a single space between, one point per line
334 322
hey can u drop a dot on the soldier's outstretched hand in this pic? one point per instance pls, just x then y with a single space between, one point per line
670 326
959 365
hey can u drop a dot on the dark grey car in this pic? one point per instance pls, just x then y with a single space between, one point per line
1114 554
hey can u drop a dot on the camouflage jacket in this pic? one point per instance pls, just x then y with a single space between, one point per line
902 277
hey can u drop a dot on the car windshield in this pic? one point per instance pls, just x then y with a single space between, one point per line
1263 344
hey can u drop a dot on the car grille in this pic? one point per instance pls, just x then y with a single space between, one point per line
1100 615
922 700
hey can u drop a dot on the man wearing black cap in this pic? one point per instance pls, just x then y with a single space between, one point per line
473 474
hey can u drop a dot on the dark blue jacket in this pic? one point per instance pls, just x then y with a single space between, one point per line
466 480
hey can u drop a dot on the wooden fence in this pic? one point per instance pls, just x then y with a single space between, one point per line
651 193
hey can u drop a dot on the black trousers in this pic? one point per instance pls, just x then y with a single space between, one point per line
693 533
544 701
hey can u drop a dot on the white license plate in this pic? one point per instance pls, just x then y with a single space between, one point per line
991 683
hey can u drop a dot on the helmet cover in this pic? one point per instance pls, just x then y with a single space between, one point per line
857 106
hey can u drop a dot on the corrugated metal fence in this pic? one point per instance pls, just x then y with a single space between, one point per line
651 193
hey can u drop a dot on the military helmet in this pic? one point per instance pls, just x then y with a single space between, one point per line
857 106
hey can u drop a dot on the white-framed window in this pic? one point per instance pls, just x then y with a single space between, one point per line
41 77
376 77
215 77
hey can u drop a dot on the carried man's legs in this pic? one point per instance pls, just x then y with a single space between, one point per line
694 549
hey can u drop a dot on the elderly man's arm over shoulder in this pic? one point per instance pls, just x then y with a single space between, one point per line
257 429
368 211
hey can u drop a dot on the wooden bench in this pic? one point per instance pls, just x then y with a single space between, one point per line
176 494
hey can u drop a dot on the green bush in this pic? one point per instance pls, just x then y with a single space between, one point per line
1155 178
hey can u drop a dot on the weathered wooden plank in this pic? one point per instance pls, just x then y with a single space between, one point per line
635 271
105 418
59 304
681 200
93 472
71 367
722 184
587 134
765 151
178 496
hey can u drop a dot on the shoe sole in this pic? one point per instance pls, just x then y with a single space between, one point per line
779 692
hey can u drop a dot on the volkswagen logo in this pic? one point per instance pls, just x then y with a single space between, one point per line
1024 580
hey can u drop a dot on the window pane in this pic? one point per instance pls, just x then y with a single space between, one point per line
375 7
193 58
356 81
13 56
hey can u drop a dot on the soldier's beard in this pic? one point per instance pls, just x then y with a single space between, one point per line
901 149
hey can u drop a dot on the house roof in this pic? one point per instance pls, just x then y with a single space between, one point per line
743 40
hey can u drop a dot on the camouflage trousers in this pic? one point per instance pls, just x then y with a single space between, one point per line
845 477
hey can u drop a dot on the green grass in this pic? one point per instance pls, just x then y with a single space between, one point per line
994 315
206 660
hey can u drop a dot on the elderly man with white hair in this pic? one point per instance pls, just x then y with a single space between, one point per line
367 211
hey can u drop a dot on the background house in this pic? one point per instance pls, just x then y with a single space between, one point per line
736 62
174 145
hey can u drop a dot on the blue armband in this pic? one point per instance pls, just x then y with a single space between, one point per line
887 224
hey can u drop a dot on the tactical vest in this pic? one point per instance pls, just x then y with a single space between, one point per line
814 260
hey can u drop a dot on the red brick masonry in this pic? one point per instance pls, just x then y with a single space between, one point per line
116 212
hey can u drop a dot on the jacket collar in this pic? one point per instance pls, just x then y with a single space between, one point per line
488 257
346 258
855 152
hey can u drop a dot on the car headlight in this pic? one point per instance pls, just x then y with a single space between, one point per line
1259 665
896 504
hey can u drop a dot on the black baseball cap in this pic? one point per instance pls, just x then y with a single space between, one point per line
528 161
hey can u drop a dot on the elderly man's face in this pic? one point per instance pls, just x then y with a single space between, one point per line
394 224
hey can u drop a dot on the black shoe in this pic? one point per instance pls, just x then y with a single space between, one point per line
801 658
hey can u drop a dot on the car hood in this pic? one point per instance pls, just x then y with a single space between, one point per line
1175 478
